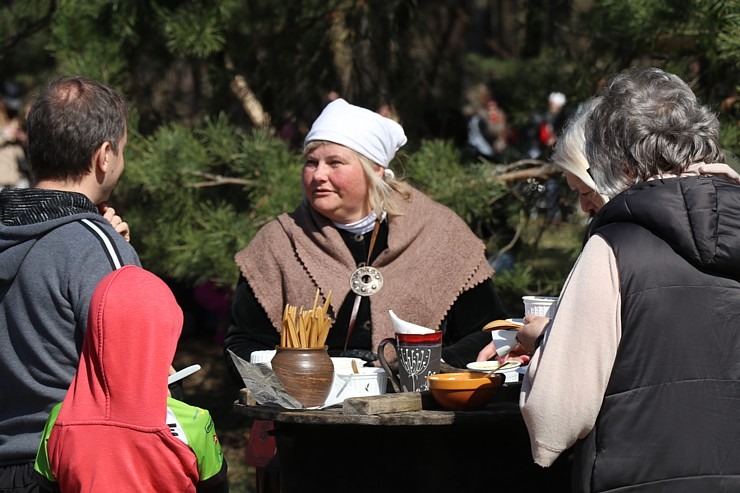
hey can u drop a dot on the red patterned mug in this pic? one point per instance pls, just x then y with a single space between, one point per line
419 356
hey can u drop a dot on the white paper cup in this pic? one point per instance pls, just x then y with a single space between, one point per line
504 340
264 357
539 305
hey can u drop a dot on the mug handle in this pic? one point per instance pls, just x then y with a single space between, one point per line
381 356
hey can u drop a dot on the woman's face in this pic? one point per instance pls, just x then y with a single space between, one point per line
335 183
590 201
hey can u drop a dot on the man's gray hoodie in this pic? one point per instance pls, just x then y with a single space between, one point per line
54 249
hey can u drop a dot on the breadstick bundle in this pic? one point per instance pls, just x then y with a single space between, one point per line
306 328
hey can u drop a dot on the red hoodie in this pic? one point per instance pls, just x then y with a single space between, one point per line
111 433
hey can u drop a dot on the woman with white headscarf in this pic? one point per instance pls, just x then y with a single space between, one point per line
570 157
356 217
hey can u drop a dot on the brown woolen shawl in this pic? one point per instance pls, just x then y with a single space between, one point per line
432 257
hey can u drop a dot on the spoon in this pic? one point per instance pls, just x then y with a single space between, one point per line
501 367
354 367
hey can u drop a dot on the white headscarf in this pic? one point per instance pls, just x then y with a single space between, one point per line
556 98
570 148
365 132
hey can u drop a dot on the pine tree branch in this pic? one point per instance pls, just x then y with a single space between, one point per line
543 170
30 29
217 180
519 228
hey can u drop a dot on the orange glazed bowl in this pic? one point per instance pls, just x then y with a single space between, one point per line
464 391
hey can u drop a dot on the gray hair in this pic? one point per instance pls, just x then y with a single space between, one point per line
649 124
383 192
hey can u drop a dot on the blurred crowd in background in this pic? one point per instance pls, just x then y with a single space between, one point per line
13 165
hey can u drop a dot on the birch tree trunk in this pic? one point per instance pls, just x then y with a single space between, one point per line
252 106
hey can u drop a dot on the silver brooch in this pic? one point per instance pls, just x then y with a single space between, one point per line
366 281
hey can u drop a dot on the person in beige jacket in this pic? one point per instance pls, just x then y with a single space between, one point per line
638 367
570 157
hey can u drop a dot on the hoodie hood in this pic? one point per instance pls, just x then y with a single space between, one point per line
112 432
698 216
131 338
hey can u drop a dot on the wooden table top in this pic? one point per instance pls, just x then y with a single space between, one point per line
405 409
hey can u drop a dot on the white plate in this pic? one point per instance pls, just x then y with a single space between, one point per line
516 321
486 366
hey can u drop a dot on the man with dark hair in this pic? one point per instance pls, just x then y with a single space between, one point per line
57 241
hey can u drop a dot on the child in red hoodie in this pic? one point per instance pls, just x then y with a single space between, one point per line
117 429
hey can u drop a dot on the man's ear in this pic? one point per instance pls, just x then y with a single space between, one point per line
100 158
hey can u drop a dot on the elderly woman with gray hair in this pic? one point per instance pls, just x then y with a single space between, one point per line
639 367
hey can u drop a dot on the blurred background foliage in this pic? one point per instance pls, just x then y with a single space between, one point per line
222 92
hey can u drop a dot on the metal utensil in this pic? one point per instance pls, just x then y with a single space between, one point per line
500 368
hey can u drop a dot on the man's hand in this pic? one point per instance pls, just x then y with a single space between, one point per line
109 213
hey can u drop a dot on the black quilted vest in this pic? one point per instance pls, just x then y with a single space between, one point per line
670 420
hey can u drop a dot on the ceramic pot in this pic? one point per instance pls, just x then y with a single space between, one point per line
306 373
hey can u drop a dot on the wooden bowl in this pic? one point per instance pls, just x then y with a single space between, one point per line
464 391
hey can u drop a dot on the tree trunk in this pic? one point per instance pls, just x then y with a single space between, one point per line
252 106
341 51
